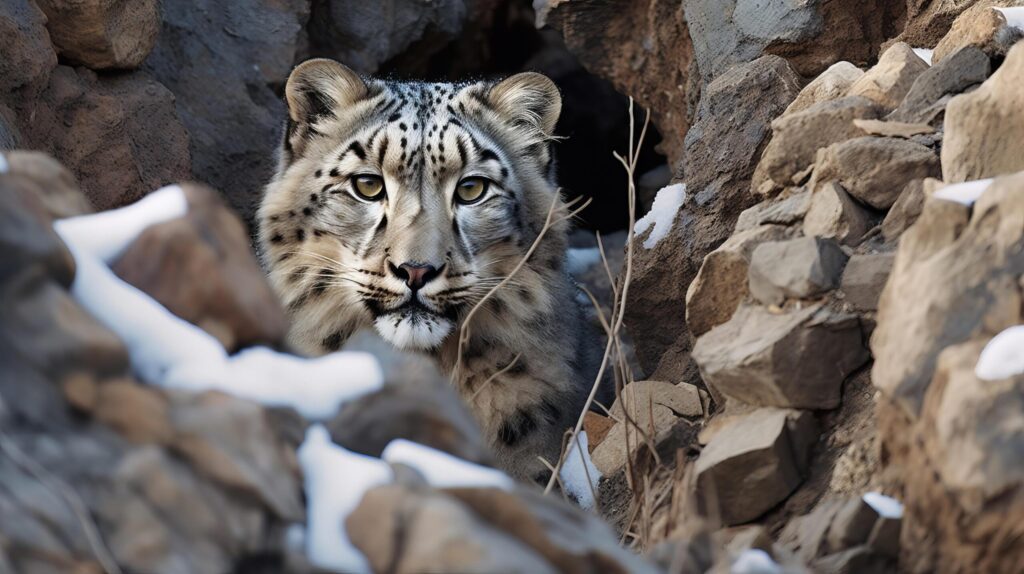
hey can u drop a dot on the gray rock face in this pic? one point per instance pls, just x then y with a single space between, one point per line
983 127
796 138
926 101
956 270
220 68
797 358
719 159
864 277
796 269
833 213
753 463
875 170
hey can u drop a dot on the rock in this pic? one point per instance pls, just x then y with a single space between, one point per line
658 73
137 412
926 101
892 128
596 426
795 268
797 358
750 95
852 561
955 272
983 127
905 211
649 411
10 137
796 138
889 81
416 403
835 215
978 26
721 284
49 181
28 57
231 110
782 211
120 134
103 34
927 22
864 278
836 534
854 523
194 266
831 84
874 170
754 463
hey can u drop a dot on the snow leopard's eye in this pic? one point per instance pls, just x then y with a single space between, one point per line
369 187
471 190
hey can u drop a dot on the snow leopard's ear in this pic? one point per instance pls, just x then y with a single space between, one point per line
320 88
530 102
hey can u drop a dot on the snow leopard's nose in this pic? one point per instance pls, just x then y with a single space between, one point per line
415 274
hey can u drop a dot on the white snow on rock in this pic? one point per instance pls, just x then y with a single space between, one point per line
885 506
755 561
575 473
966 193
3 163
1003 356
442 470
925 54
1014 17
662 214
582 258
335 481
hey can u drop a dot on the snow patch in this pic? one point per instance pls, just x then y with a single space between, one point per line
582 258
1003 356
575 472
662 214
925 54
335 481
965 193
4 167
1014 17
442 470
885 506
755 561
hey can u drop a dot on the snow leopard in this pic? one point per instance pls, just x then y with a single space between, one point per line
401 205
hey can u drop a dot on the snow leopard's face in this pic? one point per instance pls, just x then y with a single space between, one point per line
401 204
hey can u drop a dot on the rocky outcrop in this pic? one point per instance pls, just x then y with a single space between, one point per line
28 55
103 34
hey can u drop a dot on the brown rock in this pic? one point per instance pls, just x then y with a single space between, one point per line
103 34
853 561
194 266
835 214
658 74
137 412
10 137
782 211
49 181
864 277
892 128
905 211
854 523
750 95
831 84
874 170
721 284
798 268
889 81
979 26
983 127
796 138
682 399
797 358
120 135
926 101
596 426
955 272
28 57
754 463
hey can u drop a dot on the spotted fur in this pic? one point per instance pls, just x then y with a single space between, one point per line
335 257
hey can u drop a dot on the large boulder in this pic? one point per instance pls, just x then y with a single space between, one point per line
754 463
874 170
223 68
103 34
233 302
797 358
718 181
119 135
956 272
983 127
